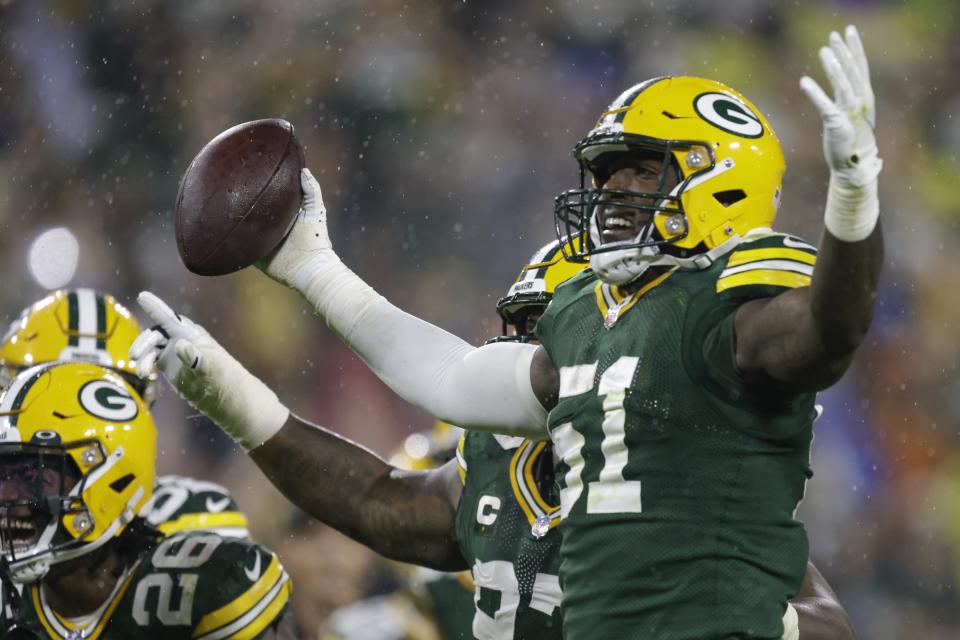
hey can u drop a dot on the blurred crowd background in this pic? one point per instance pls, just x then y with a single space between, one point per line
440 132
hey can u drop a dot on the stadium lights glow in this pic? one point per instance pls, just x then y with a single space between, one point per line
53 257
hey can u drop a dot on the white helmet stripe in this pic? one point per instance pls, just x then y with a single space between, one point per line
86 319
625 99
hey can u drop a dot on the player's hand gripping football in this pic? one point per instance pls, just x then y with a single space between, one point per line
306 240
206 375
849 143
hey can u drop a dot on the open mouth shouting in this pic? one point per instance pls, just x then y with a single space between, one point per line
620 223
20 528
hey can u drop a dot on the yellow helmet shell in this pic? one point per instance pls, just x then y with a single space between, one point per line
90 414
72 325
539 278
710 129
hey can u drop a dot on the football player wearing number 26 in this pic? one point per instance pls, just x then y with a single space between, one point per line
679 371
79 557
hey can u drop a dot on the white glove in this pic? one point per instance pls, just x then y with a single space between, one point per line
307 240
791 624
849 143
306 262
206 376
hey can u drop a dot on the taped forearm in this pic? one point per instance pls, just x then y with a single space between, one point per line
484 389
852 209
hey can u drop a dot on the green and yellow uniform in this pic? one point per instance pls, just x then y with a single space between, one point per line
679 478
506 524
197 585
187 504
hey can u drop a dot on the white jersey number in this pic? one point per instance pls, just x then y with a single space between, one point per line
176 552
500 576
610 493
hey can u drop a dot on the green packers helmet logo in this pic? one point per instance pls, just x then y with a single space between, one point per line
729 114
107 401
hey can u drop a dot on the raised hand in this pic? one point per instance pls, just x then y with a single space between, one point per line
307 238
849 143
206 375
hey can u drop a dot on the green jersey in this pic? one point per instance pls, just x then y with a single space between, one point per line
197 585
679 477
186 504
506 523
448 599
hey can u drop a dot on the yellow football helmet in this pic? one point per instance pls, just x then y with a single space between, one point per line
77 462
722 152
529 296
74 325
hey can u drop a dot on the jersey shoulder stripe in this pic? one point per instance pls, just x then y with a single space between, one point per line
770 261
250 613
231 524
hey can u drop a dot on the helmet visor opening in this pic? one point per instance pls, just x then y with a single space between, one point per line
519 323
35 482
600 157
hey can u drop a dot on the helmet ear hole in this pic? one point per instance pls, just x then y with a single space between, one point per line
120 484
729 197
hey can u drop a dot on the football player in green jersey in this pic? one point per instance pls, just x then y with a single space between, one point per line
85 325
494 509
77 458
679 372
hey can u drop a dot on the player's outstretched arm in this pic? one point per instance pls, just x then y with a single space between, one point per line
407 516
486 389
806 337
403 515
819 613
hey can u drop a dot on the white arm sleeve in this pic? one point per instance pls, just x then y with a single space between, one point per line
484 389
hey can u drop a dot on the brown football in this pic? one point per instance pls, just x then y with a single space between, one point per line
239 197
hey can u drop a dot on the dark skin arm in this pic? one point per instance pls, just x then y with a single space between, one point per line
806 338
818 610
404 515
544 378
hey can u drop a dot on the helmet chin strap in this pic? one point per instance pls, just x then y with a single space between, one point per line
623 266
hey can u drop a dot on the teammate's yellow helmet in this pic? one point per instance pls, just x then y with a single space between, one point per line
530 294
723 153
74 325
77 462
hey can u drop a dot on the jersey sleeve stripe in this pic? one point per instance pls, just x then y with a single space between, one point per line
771 253
223 618
765 277
461 460
254 621
206 521
782 265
